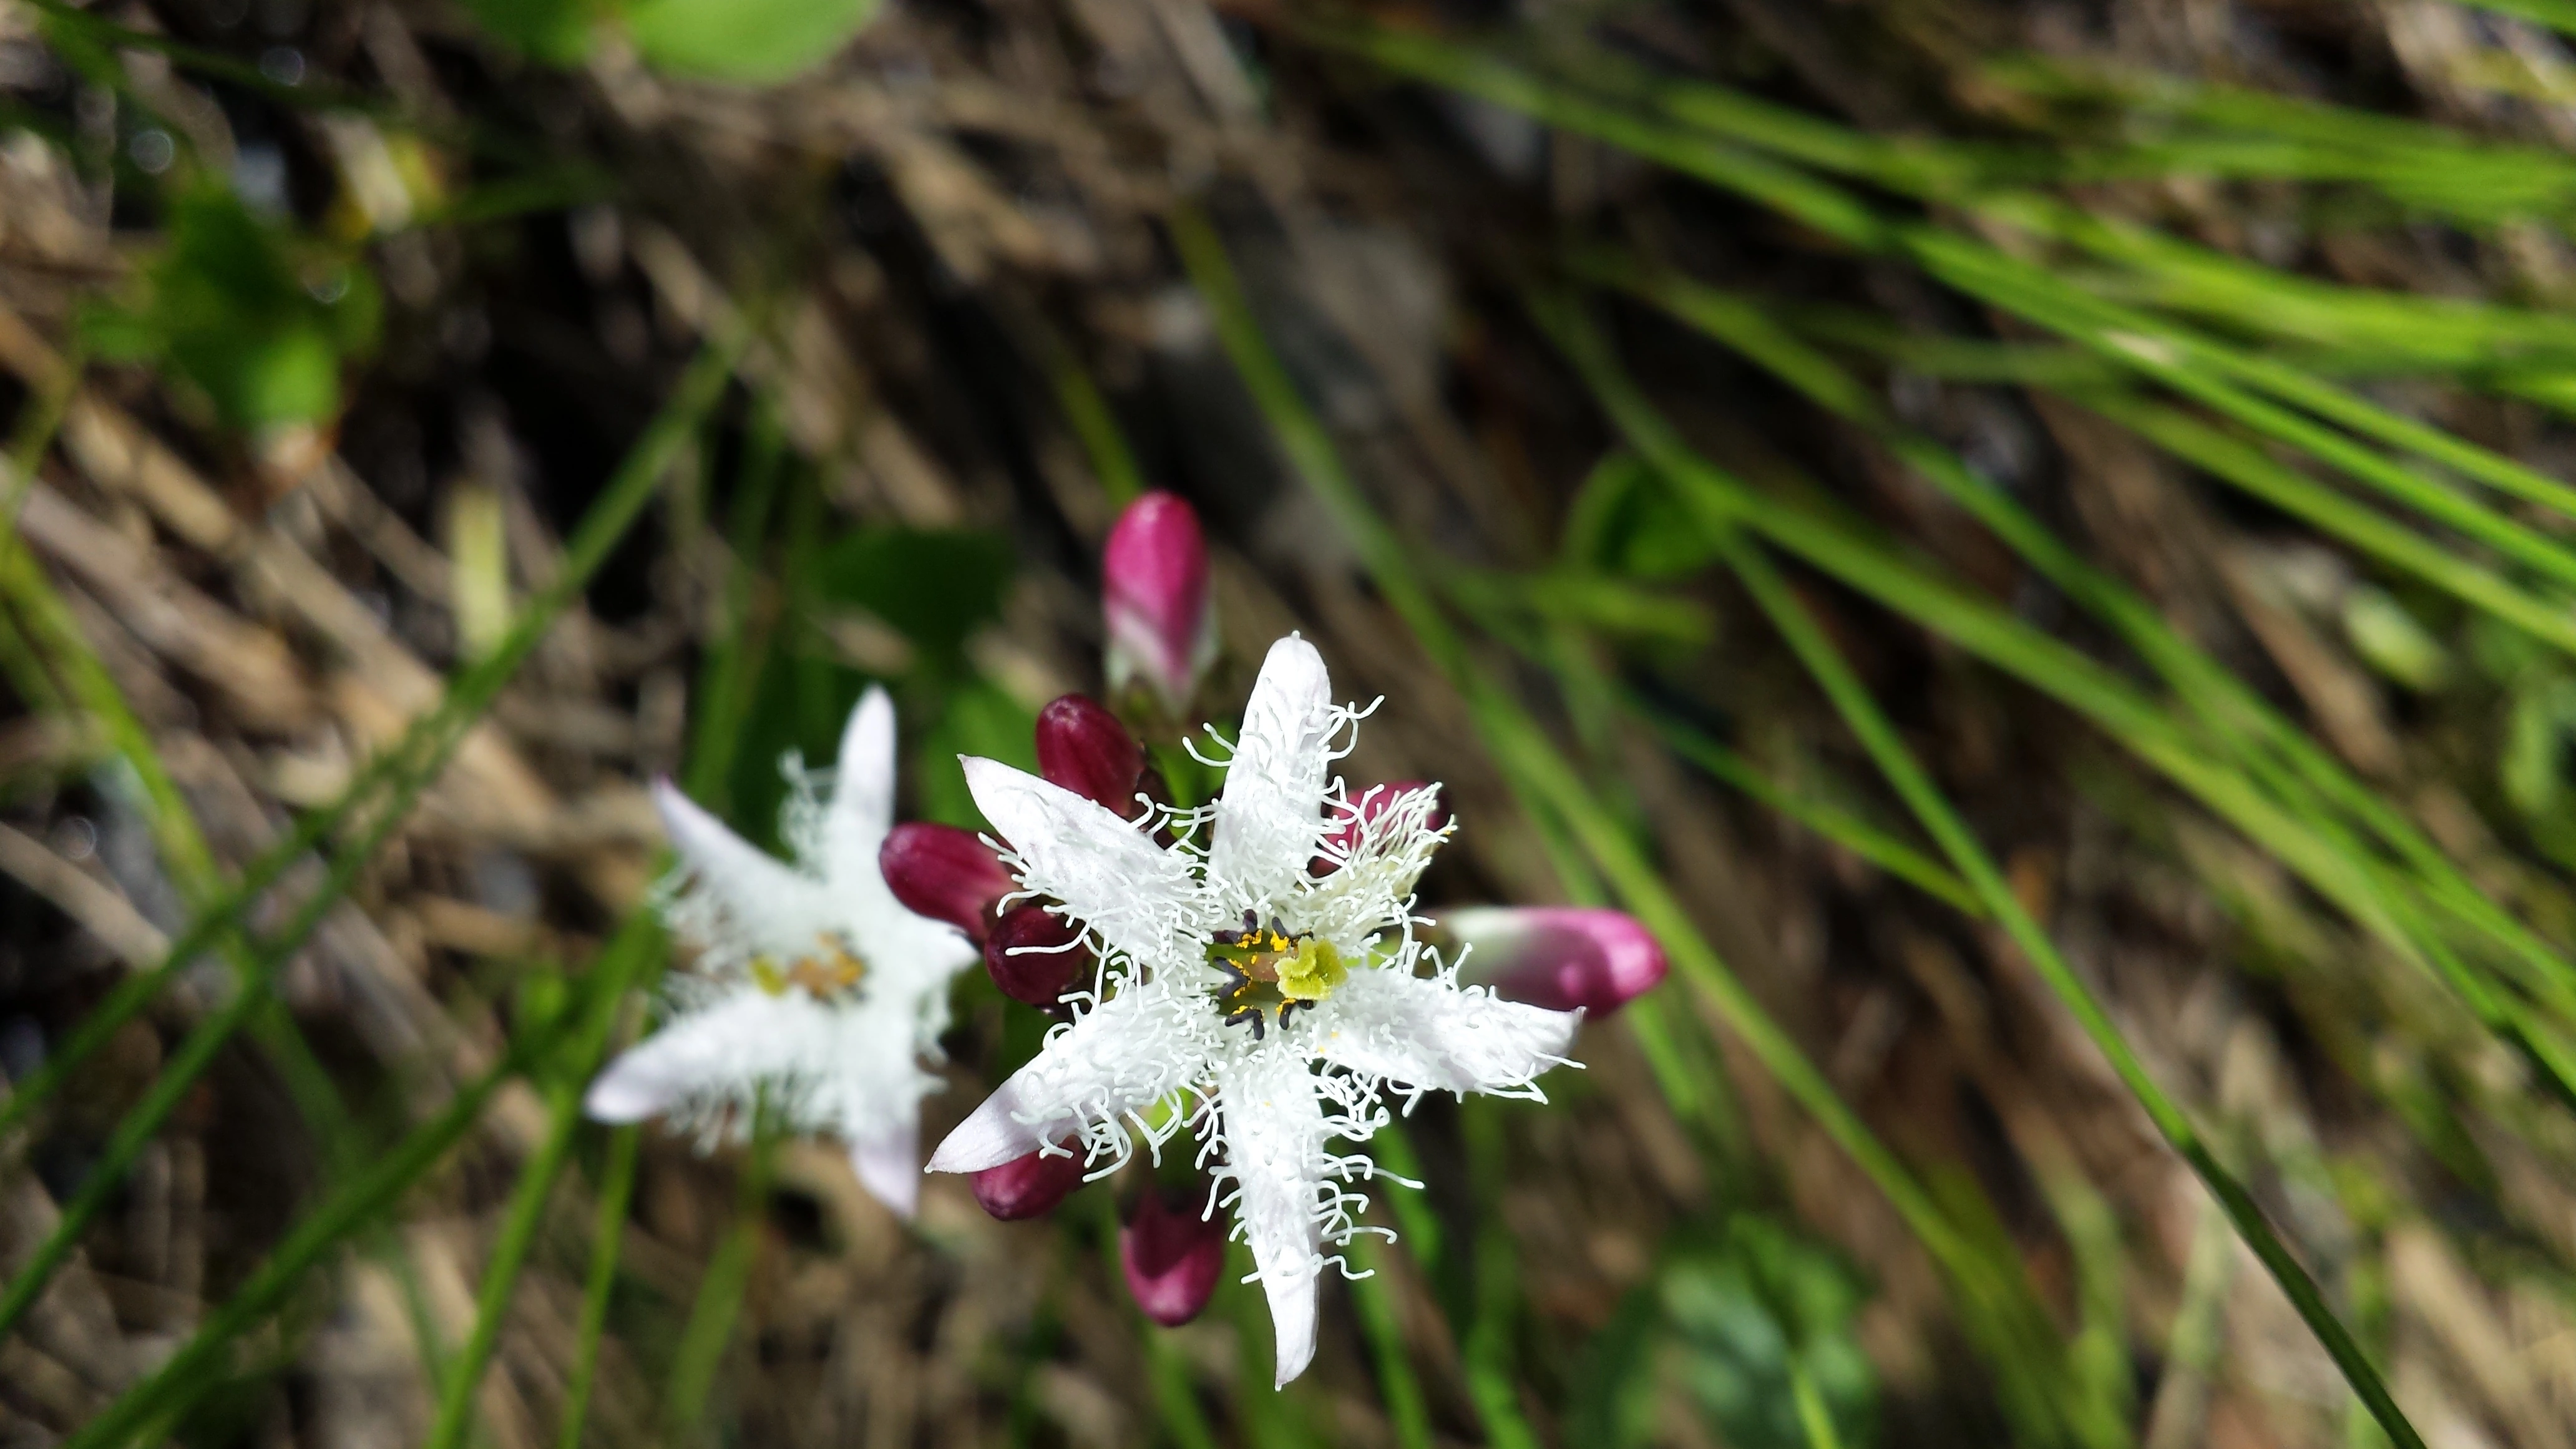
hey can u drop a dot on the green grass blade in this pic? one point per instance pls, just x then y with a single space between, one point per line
720 1289
2135 721
729 678
1373 1294
628 955
348 1209
2307 779
608 1231
416 758
1878 735
607 520
1492 1379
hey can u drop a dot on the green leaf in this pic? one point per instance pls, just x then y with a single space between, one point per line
1624 522
1729 1323
256 320
981 719
934 586
753 42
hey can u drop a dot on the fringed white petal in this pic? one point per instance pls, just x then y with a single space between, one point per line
1274 1128
889 1166
1126 1053
736 901
1271 813
1427 1034
711 1058
862 808
1138 897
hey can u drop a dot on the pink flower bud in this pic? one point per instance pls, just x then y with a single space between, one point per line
1371 803
1084 748
1559 957
944 873
1172 1252
1154 594
1026 1187
1032 956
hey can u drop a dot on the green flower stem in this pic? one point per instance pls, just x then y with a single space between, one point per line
633 952
1381 1315
720 1288
351 1207
729 677
608 1234
1167 1373
1488 1344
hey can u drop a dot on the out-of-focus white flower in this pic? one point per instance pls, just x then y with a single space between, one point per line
1268 1000
816 991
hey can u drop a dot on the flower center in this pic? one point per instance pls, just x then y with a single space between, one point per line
830 971
1269 972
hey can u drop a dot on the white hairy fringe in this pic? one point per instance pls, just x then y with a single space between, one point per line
1172 1052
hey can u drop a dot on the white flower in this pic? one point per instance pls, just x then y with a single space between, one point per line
1274 1040
815 990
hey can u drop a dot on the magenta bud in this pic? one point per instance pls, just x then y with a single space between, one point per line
1559 957
1084 748
944 873
1032 955
1172 1251
1373 802
1027 1187
1154 596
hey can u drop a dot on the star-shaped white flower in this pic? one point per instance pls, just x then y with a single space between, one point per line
815 989
1271 1000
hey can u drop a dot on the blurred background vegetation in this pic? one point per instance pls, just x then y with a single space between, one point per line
2027 539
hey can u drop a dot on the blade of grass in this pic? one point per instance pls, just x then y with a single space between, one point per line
1381 1315
720 1289
630 954
1878 736
1492 1380
2314 784
729 678
348 1209
1996 275
2137 723
418 755
607 520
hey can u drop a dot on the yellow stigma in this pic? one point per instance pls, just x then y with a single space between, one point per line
829 972
1314 971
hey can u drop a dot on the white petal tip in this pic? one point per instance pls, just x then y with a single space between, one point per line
988 1137
621 1096
886 1171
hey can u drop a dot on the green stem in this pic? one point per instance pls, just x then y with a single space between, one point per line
629 954
1408 1412
608 1234
720 1290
